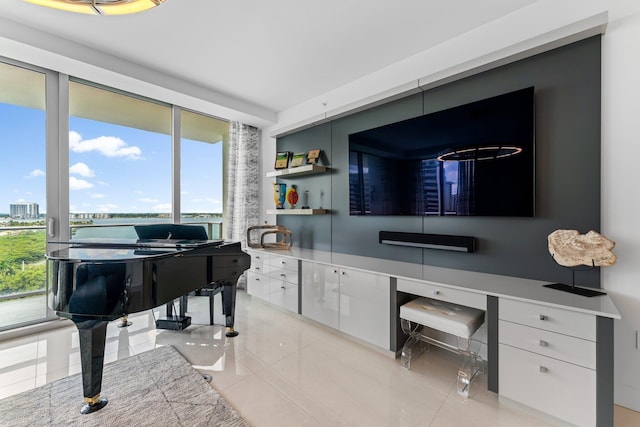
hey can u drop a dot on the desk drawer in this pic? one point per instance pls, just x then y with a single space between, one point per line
281 275
553 319
257 285
454 295
569 349
279 262
257 261
557 388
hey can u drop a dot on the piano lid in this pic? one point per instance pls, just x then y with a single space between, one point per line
115 250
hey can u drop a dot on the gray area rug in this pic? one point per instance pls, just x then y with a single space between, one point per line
158 387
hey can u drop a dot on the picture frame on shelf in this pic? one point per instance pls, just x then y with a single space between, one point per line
298 159
282 159
313 156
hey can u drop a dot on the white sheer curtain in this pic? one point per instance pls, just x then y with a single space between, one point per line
242 207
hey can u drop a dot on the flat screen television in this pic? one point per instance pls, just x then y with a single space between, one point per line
475 159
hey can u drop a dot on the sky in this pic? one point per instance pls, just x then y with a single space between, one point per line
112 168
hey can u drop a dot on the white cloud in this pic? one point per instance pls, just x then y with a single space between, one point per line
98 196
110 146
148 200
81 169
162 207
107 207
37 172
78 184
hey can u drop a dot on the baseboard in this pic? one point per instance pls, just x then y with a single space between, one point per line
627 396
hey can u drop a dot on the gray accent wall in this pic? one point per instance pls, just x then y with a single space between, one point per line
567 99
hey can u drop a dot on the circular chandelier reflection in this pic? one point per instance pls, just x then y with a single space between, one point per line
100 7
489 152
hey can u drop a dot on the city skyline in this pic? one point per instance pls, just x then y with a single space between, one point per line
112 168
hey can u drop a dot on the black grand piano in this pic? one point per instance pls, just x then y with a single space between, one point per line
95 282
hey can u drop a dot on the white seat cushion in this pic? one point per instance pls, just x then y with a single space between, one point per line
444 316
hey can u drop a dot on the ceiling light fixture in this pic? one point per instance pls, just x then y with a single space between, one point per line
100 7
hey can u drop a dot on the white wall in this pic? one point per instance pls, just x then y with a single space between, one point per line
543 25
620 193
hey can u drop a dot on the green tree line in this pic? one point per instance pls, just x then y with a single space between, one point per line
22 262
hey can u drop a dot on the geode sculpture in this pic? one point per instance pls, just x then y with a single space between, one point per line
569 248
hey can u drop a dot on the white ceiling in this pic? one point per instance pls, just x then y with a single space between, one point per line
274 54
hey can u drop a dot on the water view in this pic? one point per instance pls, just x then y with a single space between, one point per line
120 152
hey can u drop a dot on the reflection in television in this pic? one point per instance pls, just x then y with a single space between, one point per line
476 159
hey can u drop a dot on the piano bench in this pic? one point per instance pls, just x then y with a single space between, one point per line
453 319
209 291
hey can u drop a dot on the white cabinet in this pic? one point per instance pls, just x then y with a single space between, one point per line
365 306
257 281
283 282
274 278
352 301
548 360
320 293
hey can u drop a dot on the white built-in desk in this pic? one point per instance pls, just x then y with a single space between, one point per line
547 349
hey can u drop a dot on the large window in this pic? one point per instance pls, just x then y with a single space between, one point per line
22 195
125 164
201 170
119 161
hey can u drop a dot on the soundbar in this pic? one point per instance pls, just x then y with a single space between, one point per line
428 241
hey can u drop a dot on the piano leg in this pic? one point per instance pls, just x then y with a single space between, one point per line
93 335
124 322
229 307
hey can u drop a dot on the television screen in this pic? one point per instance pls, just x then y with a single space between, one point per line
475 159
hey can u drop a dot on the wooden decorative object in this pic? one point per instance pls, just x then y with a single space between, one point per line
282 159
569 248
313 156
298 159
285 242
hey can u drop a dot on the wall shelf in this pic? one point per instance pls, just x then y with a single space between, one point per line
297 211
297 171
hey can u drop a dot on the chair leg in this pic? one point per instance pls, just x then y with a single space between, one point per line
470 366
184 299
409 350
211 295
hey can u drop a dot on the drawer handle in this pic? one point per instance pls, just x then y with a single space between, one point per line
343 273
543 317
257 256
282 262
544 369
436 292
283 275
544 343
335 271
257 268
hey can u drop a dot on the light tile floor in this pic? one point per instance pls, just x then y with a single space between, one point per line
283 370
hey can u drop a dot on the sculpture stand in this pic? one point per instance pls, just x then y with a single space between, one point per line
585 292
